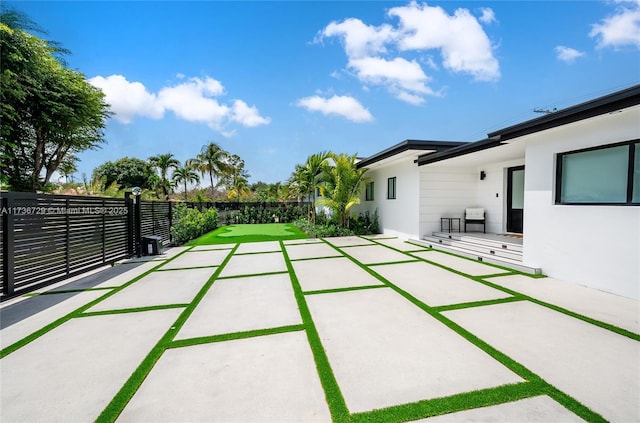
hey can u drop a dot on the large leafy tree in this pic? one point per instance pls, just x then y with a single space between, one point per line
341 185
128 172
185 175
211 160
48 112
164 162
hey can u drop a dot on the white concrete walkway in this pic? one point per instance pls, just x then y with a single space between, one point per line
310 330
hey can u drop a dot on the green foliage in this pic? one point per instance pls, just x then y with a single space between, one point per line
189 223
212 161
164 162
278 214
128 172
364 224
341 184
48 112
185 175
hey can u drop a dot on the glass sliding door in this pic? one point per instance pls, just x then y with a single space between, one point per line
515 199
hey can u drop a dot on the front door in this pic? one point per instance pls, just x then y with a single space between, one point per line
515 199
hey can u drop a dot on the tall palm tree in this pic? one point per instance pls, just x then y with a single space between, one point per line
310 174
186 175
235 177
164 162
342 183
211 160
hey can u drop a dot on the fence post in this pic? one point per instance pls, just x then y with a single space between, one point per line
170 222
8 246
137 225
104 230
130 227
67 245
153 218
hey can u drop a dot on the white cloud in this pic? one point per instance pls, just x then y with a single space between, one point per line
193 100
464 45
360 39
567 54
128 99
344 106
620 29
488 16
376 54
247 115
404 78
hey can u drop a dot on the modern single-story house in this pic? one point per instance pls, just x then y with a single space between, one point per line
565 186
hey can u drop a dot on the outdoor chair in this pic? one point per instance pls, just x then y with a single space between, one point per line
475 216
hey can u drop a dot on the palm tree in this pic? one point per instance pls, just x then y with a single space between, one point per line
235 177
164 162
308 175
211 160
341 185
186 175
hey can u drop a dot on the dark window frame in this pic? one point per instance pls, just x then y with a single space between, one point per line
391 188
369 192
633 144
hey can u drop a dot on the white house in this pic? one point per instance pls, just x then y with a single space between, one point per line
568 182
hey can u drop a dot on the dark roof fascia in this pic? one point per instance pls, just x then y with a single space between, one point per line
599 106
409 145
458 151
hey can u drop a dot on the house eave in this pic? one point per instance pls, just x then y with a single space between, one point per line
599 106
409 145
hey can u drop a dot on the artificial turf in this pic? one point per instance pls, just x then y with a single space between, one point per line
250 233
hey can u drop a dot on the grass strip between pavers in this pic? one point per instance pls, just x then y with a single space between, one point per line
78 312
350 288
233 336
251 275
124 395
333 394
316 258
451 404
449 307
131 310
544 387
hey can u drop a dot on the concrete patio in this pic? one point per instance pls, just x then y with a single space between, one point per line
341 329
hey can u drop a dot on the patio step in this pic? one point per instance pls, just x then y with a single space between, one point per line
479 246
480 249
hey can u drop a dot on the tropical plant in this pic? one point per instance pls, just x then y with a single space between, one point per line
235 177
211 160
306 177
185 175
341 184
128 172
68 167
164 162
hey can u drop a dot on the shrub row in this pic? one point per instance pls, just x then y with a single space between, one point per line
190 223
363 224
282 214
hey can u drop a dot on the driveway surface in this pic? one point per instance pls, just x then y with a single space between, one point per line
336 329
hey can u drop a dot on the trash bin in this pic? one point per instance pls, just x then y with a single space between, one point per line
151 245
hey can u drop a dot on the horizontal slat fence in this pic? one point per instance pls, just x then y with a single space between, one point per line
46 238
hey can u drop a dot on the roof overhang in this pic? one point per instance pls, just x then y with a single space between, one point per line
407 148
608 104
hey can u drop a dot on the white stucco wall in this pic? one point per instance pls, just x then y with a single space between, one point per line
597 246
397 217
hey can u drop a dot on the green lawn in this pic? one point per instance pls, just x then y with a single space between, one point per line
250 233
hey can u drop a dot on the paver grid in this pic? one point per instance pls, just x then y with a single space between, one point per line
292 331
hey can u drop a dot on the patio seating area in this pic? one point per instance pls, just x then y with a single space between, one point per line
336 329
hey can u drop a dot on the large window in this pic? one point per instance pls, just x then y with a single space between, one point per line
369 192
601 175
391 188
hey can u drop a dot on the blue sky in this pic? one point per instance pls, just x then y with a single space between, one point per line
276 81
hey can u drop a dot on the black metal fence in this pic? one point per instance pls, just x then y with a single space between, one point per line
47 238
